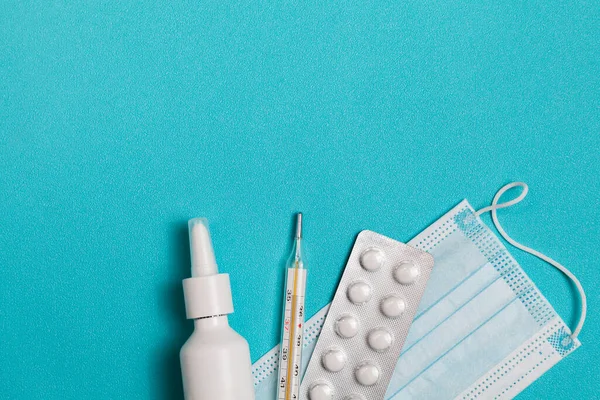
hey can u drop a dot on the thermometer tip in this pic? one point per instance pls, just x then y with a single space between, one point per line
299 226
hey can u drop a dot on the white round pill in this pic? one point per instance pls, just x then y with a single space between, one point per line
346 326
320 391
380 339
392 306
359 292
372 259
406 273
334 360
367 374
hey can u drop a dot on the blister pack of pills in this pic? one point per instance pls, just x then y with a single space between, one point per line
368 321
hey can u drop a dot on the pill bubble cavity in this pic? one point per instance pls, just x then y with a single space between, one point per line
406 273
320 391
334 360
367 374
372 259
393 306
354 396
346 326
359 292
380 339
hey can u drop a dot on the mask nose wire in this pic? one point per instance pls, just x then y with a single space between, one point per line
496 206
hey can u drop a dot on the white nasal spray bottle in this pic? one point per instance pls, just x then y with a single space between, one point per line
215 360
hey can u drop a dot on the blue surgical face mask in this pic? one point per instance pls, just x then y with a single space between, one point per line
483 329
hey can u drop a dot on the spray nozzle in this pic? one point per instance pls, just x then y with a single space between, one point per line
201 248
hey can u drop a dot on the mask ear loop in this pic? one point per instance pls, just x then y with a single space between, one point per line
496 206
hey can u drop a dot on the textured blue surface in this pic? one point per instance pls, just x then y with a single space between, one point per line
121 120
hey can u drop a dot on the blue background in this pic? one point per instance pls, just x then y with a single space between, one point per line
121 120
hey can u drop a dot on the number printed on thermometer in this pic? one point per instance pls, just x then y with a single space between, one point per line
292 335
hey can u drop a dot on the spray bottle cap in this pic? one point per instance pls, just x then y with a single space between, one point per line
207 293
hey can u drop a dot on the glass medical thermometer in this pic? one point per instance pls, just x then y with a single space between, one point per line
292 332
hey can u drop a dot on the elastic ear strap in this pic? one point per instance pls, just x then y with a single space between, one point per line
496 206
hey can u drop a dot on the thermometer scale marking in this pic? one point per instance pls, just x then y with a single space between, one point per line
292 335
